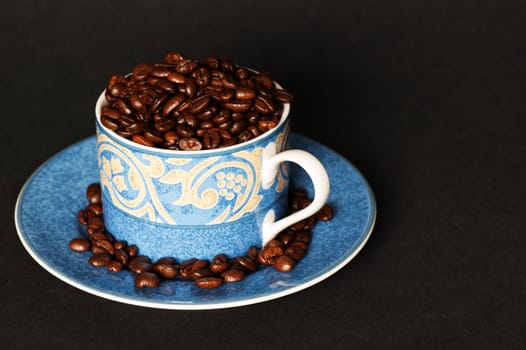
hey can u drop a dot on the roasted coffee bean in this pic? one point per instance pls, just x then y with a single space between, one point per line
282 96
119 245
190 88
300 244
199 104
97 250
242 73
115 266
137 127
109 123
295 252
166 270
106 245
190 144
298 226
246 263
166 85
185 131
219 267
185 66
122 107
172 104
286 237
245 136
127 120
171 137
139 261
153 136
226 95
270 252
204 126
117 90
266 123
234 275
164 125
209 282
160 71
95 208
110 113
229 142
93 193
140 267
265 81
132 250
202 76
284 263
166 260
147 280
185 268
238 105
201 273
97 236
95 224
212 62
101 259
211 139
303 236
311 221
238 127
142 140
82 217
245 93
121 255
325 213
141 71
173 57
252 253
80 245
263 104
298 203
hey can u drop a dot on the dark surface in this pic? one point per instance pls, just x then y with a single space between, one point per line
426 98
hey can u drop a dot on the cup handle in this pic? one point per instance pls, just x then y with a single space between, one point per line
313 168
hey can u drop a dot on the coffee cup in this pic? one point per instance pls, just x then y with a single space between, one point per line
197 204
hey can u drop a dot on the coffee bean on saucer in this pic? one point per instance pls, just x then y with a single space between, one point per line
233 275
115 266
93 193
325 213
209 282
166 271
79 244
101 259
147 280
284 263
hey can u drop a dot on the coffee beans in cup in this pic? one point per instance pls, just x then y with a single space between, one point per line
190 105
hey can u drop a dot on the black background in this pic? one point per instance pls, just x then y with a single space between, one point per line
425 97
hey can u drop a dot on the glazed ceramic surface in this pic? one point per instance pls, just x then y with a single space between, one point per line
46 220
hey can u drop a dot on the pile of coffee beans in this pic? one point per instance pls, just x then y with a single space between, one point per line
283 253
184 104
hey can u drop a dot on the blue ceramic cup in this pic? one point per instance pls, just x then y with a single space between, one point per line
196 204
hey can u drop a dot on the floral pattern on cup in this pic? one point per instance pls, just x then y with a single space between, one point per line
173 190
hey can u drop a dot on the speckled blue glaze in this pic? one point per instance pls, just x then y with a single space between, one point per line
46 220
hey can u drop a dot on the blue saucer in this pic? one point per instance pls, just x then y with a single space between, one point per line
46 220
